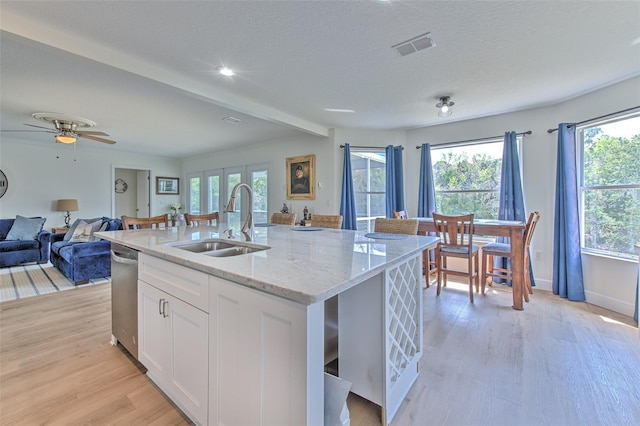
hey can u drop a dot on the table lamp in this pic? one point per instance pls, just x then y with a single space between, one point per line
67 206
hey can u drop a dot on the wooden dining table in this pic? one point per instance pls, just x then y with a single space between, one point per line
498 228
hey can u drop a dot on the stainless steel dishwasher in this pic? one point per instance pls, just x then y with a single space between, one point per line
124 298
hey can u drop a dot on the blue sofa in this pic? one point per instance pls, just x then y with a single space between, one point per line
16 252
82 261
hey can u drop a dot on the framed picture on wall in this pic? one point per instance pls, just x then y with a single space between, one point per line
167 186
301 177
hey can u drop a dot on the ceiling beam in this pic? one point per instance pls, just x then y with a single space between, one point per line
54 37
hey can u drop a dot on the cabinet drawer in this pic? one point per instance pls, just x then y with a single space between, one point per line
179 281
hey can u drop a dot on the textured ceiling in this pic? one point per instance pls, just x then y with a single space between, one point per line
144 70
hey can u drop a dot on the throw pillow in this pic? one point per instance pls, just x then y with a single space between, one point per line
72 228
84 231
25 228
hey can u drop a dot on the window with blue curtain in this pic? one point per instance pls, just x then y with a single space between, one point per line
467 177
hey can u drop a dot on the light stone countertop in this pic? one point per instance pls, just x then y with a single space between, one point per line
303 266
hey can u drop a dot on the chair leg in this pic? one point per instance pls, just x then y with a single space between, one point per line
444 275
476 259
439 271
484 272
490 268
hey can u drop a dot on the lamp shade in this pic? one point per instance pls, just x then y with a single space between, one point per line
68 205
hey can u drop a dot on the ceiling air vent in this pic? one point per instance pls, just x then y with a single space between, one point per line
232 120
421 42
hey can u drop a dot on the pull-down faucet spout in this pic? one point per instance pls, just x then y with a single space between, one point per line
247 227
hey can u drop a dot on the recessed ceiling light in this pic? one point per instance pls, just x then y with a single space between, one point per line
225 71
338 110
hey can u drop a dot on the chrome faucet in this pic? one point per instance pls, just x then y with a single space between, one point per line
247 227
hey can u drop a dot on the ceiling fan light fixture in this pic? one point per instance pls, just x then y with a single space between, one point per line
444 106
65 138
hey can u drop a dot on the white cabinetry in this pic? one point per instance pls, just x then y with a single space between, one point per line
266 358
173 334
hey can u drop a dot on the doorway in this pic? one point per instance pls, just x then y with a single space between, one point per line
131 195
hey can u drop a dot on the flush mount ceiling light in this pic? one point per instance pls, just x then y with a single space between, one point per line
444 105
228 72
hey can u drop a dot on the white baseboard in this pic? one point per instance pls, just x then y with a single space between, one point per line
616 305
597 299
542 284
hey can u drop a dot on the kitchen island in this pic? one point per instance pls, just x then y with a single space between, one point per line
240 339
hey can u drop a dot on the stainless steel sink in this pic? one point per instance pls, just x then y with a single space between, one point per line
219 247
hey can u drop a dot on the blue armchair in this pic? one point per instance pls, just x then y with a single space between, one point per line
82 261
16 252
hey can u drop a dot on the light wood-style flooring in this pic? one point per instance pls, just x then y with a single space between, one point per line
555 363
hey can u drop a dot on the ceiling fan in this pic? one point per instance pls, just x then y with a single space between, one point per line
66 128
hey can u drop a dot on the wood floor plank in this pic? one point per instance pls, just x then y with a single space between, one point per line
556 362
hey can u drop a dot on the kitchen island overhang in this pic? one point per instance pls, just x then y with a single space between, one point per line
376 280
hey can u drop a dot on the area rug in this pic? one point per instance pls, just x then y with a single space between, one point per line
18 282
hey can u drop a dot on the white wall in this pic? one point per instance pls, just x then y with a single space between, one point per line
608 282
37 178
275 153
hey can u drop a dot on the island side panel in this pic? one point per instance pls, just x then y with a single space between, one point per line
403 311
361 338
266 358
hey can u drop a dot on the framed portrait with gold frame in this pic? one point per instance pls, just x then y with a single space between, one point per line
301 177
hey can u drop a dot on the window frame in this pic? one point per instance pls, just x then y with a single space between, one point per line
583 189
476 142
369 219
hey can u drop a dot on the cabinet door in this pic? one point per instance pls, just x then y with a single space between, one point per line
266 358
153 332
189 377
174 342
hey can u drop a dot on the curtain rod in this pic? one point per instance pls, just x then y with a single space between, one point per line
598 118
528 132
369 147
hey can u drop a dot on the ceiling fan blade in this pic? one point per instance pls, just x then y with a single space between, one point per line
97 139
92 133
30 131
41 127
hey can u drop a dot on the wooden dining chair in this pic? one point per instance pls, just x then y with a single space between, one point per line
504 250
283 218
395 226
456 241
129 222
327 221
201 219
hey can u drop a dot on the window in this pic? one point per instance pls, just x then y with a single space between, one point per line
209 191
610 186
194 194
369 186
467 178
259 185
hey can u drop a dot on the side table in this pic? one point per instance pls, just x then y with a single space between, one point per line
61 230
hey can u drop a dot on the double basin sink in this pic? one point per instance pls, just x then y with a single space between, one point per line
217 247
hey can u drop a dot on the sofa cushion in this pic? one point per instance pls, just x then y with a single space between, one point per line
7 245
69 251
25 228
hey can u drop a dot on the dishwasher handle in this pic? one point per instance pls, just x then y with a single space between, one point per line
116 257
